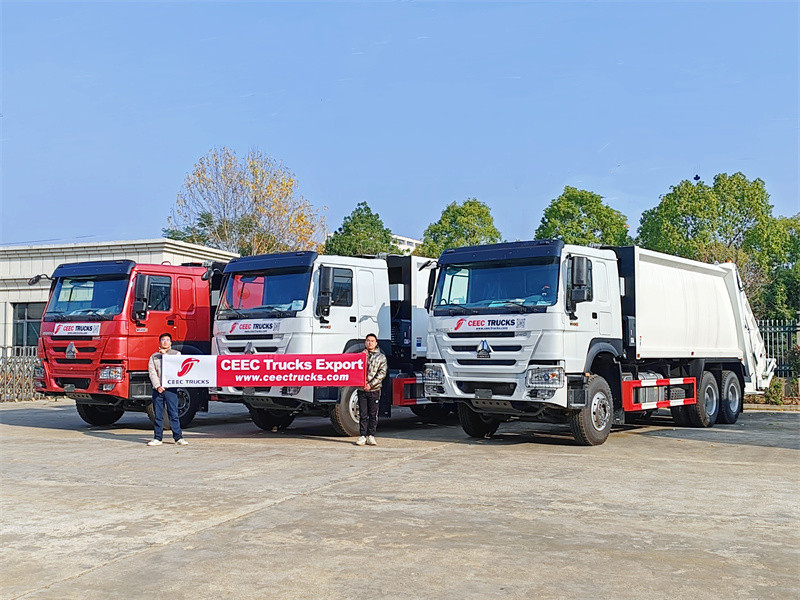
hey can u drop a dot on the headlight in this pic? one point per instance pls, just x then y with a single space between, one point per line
433 375
544 377
111 374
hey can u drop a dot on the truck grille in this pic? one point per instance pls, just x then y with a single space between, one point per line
78 348
73 361
474 347
497 389
80 383
503 362
262 349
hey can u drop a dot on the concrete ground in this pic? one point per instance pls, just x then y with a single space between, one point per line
656 512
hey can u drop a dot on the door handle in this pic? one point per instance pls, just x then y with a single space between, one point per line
170 322
594 315
352 319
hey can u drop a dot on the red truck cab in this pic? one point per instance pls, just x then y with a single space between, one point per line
101 324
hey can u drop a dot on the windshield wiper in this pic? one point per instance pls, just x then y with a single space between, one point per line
509 303
55 315
236 313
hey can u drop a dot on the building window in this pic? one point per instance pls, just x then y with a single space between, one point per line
27 321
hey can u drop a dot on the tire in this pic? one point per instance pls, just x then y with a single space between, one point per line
680 416
344 414
270 419
431 413
704 412
475 424
95 414
591 425
188 403
730 406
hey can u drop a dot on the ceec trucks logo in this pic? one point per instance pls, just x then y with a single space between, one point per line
490 324
254 327
186 366
77 329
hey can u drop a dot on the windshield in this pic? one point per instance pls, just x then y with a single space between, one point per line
271 294
86 298
514 286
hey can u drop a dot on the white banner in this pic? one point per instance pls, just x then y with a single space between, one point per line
486 323
64 329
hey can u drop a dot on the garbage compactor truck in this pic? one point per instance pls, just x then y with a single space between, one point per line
589 336
307 303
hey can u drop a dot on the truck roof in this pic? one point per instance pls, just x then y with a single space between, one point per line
263 262
504 251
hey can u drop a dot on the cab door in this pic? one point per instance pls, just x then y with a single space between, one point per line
583 324
160 318
335 332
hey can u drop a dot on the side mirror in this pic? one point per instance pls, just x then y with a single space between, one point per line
431 288
324 299
140 310
578 295
580 271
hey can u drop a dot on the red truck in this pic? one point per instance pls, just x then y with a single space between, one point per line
102 323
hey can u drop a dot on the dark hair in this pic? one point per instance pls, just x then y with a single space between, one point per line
165 334
371 335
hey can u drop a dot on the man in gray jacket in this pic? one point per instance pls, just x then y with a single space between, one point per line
163 395
369 397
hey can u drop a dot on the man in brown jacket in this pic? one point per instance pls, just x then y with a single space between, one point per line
369 397
163 395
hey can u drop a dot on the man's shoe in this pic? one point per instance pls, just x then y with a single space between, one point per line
154 442
182 442
371 440
361 441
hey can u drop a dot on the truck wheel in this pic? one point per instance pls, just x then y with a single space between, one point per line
704 412
188 403
99 415
344 414
270 419
431 413
731 398
680 416
475 424
591 425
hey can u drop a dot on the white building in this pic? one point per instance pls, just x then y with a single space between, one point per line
406 244
21 305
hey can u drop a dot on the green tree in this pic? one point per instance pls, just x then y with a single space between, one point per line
362 232
581 217
249 205
467 224
729 220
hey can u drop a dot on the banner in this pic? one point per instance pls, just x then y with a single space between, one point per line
486 323
76 329
265 370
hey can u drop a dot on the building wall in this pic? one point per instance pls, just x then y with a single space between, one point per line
20 263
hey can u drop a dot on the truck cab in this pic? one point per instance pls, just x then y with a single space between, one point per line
101 324
307 303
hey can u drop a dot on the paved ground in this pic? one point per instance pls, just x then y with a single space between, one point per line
656 512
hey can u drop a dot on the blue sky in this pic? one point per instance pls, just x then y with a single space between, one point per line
406 105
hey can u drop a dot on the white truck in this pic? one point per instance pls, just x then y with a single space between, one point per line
589 336
307 303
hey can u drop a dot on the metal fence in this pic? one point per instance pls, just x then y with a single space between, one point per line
779 337
16 373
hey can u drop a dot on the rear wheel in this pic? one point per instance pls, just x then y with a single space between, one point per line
344 414
475 424
704 412
591 425
268 420
97 414
731 398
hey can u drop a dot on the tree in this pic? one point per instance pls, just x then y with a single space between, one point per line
729 220
362 232
467 224
580 217
249 205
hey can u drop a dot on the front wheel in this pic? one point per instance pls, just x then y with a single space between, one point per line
97 414
344 414
188 403
591 425
475 424
270 419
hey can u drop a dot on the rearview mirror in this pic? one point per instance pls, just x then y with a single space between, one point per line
325 291
580 271
140 310
431 288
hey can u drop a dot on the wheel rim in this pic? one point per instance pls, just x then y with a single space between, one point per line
352 407
601 411
184 402
733 398
710 397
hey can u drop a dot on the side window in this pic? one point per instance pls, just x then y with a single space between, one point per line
158 294
342 287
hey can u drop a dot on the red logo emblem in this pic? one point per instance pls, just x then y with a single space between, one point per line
460 323
187 365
